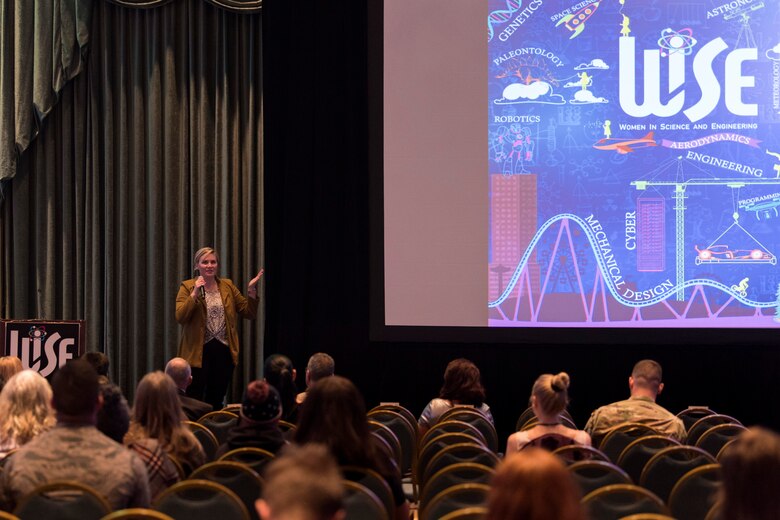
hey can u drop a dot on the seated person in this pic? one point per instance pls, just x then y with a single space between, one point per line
320 365
645 386
751 470
462 386
533 485
180 371
304 483
258 424
549 397
100 363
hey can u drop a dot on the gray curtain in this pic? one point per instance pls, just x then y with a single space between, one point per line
154 151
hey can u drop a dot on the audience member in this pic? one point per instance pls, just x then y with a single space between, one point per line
320 365
113 418
75 450
304 483
533 485
280 374
258 424
9 366
157 415
549 397
100 363
751 473
334 414
25 410
462 386
180 371
645 384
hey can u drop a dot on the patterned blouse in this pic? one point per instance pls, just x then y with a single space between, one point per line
215 318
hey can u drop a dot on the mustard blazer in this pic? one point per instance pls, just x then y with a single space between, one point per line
191 314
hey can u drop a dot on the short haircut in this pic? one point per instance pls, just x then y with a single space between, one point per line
99 362
304 479
648 374
320 365
179 370
75 388
200 253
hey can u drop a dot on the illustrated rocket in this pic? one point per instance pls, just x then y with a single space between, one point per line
576 22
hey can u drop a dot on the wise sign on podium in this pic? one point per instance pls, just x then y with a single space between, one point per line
42 345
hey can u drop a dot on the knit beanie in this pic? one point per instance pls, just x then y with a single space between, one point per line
261 403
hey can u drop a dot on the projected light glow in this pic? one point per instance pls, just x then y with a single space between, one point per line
633 163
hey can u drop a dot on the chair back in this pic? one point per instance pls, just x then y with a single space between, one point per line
533 421
287 426
380 430
695 493
396 407
593 474
638 452
406 433
713 440
239 478
461 473
648 516
374 482
692 414
65 500
462 452
452 426
360 503
207 440
135 513
453 499
666 467
549 442
477 419
467 513
621 500
255 458
615 441
220 423
705 423
435 445
197 499
577 453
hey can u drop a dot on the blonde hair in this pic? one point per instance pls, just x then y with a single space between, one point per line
200 253
25 408
551 392
157 414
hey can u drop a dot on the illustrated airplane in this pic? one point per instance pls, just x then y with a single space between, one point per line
576 22
624 146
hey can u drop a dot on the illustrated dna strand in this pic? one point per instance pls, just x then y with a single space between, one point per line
503 15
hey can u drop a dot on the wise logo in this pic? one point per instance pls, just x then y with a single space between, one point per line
39 350
711 87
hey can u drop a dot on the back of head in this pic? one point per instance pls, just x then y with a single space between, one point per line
9 366
647 374
113 418
533 484
462 383
261 404
278 371
25 407
99 362
75 388
751 471
551 392
179 370
320 365
334 414
304 482
157 407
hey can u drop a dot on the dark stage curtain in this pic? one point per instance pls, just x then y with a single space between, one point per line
154 151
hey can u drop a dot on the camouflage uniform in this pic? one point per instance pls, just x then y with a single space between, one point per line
635 409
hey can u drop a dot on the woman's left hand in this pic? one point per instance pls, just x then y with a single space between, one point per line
252 286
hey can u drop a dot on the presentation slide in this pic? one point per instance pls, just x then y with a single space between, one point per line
630 176
633 163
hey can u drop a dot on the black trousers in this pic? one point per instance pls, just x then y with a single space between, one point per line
211 381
